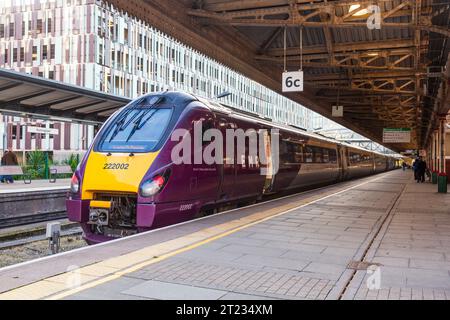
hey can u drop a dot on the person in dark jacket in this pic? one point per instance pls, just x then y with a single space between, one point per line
9 159
421 169
415 166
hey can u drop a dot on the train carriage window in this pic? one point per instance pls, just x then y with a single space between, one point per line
332 154
298 153
318 155
206 125
326 156
355 157
287 150
366 158
308 155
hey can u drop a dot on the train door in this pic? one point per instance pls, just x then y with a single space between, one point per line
206 176
270 174
342 162
228 168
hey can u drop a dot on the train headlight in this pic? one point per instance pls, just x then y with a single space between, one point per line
151 187
74 184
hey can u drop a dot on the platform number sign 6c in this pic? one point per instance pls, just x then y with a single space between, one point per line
293 81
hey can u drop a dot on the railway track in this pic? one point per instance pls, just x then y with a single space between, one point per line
26 237
31 218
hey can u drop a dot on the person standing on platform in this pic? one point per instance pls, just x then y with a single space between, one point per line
414 167
404 165
9 159
421 168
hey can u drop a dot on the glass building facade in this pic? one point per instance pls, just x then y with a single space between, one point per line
90 43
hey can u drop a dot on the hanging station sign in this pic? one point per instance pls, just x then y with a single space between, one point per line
396 135
337 111
293 81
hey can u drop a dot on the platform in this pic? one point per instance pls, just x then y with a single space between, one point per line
305 246
36 185
37 200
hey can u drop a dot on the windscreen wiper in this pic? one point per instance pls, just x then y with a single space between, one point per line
137 123
120 126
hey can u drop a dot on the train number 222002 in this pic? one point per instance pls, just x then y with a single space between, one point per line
116 166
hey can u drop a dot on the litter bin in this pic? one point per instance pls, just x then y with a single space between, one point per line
434 177
442 183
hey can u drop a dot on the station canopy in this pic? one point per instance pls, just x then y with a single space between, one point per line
391 75
25 95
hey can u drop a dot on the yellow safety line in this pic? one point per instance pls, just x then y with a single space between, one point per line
162 257
155 260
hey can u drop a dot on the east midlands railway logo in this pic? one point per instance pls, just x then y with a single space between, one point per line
208 147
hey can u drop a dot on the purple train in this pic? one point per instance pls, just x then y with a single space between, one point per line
128 181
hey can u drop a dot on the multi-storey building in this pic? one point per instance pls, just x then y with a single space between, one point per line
90 43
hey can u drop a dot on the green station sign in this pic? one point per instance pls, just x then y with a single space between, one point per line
397 135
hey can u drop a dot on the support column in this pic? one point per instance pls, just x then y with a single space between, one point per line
442 179
3 133
434 167
429 156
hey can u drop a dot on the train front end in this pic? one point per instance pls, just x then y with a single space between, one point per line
114 189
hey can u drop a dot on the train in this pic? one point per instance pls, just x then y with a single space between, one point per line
128 181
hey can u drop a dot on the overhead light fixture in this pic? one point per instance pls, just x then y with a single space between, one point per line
372 54
359 13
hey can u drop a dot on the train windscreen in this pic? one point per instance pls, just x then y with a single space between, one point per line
137 128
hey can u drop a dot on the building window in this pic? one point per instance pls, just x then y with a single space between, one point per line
51 75
52 51
101 27
52 126
100 54
14 54
2 30
44 52
49 25
6 55
11 29
113 57
23 28
14 132
138 63
125 35
34 55
111 29
39 26
22 54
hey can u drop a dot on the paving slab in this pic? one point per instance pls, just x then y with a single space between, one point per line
318 250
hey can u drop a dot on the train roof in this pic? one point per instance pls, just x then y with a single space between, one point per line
223 108
249 116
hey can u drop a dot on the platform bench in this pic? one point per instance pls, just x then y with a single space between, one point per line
15 171
61 169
